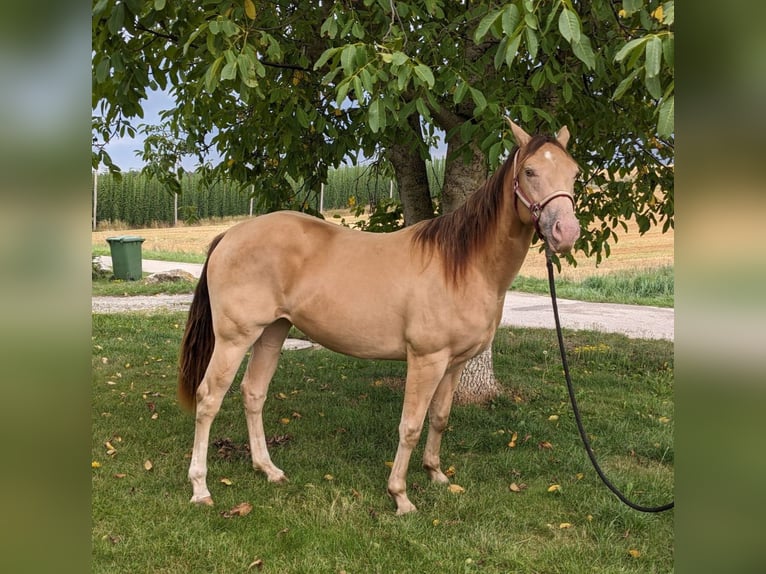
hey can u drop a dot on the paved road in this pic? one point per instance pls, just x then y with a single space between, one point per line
520 310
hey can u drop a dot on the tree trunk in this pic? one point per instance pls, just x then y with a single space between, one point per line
411 174
461 178
477 383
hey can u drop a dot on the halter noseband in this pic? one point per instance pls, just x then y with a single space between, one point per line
535 208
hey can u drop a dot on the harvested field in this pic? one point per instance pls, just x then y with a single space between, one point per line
632 252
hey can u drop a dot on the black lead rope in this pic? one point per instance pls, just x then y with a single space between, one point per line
576 409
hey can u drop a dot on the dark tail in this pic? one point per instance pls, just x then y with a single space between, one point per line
198 340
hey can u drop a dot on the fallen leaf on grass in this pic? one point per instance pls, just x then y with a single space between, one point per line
284 421
545 444
226 481
456 489
553 418
634 553
258 564
450 471
148 465
565 525
95 464
514 437
119 475
328 477
517 487
554 488
242 509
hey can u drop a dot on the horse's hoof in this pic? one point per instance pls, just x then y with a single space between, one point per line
279 479
204 501
406 509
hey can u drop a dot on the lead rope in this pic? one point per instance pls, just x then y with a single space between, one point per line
576 409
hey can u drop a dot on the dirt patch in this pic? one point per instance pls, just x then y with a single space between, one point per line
633 251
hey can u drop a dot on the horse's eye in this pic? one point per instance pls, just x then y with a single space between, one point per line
529 172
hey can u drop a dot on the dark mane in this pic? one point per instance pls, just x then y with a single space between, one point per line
459 235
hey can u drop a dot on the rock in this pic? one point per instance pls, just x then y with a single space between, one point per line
171 276
100 269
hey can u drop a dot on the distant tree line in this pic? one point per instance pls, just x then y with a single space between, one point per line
138 200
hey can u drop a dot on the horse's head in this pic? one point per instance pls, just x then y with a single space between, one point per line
544 175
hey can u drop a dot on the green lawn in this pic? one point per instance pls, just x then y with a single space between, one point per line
334 514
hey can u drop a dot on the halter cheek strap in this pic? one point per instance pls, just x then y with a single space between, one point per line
535 208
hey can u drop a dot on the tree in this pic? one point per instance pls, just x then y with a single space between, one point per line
286 89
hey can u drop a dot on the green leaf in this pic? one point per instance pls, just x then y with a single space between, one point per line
159 5
512 50
653 86
537 80
623 86
479 100
584 52
460 92
486 23
229 71
569 26
670 13
629 47
229 28
532 43
530 20
424 73
653 56
347 57
511 19
212 74
631 6
668 50
567 90
326 55
247 71
102 70
399 58
665 124
374 113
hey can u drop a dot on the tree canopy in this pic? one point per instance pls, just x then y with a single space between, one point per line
283 90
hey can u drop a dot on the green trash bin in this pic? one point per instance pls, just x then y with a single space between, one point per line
126 256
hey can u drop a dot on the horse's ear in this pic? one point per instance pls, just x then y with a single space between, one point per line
563 136
522 137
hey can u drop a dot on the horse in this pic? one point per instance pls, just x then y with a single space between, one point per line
430 294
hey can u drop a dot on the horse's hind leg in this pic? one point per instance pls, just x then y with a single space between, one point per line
438 415
219 375
255 385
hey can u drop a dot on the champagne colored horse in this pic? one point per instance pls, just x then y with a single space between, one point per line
431 294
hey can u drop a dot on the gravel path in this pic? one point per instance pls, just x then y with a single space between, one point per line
520 310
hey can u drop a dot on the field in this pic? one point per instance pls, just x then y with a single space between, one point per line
632 252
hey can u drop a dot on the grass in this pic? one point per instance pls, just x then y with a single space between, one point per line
177 256
106 287
334 514
639 287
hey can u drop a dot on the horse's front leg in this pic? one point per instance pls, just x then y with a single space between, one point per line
423 376
218 377
438 415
